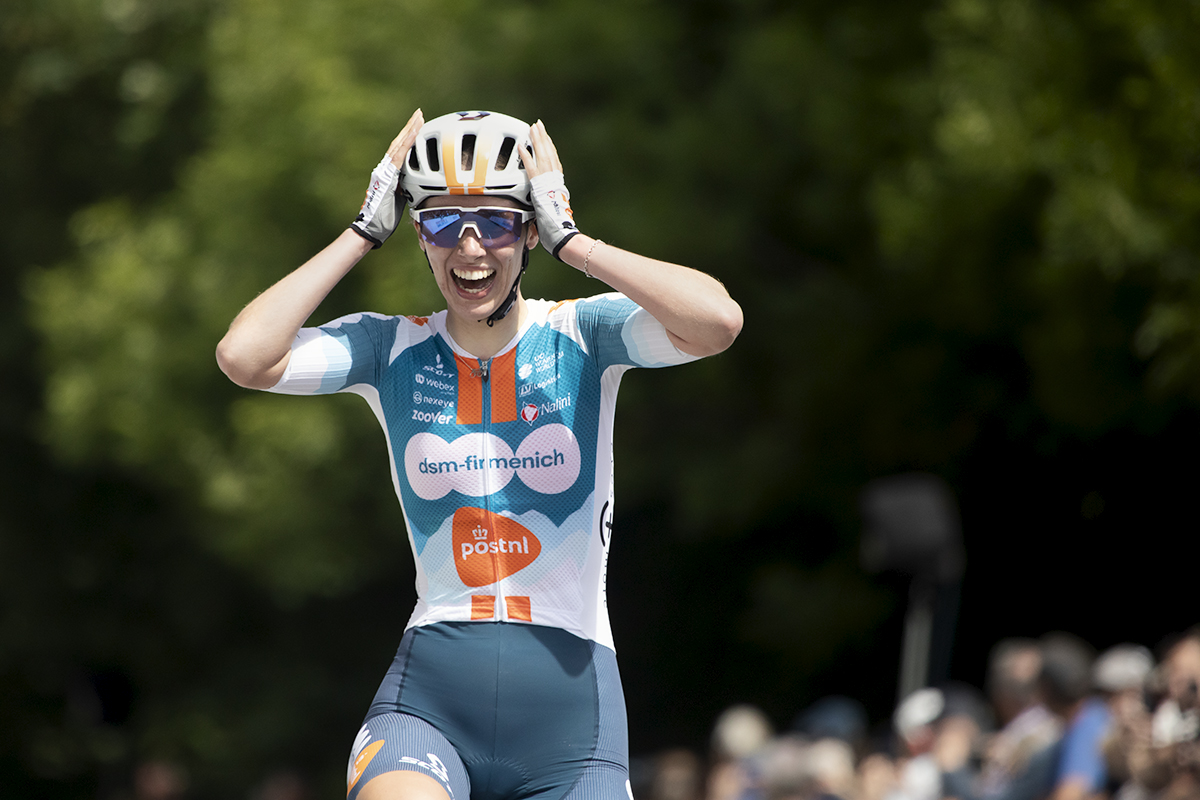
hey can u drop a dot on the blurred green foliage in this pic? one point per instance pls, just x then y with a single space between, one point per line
938 217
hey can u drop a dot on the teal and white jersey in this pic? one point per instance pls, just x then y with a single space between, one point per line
504 474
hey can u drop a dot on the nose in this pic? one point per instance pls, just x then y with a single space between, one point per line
469 243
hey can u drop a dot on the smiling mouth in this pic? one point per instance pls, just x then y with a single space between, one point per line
473 281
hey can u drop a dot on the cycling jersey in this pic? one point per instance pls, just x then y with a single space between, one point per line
503 467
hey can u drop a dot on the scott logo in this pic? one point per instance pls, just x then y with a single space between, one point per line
489 547
529 413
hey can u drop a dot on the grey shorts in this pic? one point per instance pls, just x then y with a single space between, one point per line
499 711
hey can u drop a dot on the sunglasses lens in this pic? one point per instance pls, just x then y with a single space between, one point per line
442 227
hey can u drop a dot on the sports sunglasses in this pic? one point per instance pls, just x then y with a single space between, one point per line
496 226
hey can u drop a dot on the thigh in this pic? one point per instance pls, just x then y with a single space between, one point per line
566 719
533 713
394 742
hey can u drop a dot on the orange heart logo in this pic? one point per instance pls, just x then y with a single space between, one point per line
489 547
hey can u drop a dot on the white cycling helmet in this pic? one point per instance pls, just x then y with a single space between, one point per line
467 152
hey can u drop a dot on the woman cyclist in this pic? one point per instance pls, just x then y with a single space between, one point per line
498 415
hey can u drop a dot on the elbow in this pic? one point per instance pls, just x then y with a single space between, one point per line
731 323
239 369
716 333
727 324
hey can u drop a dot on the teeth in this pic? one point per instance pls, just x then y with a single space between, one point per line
473 274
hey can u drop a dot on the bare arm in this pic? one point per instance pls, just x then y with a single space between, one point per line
255 351
700 317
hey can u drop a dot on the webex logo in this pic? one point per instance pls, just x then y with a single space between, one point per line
479 464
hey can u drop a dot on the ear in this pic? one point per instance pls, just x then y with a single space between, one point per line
531 235
417 227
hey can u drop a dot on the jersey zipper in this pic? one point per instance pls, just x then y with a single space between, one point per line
485 422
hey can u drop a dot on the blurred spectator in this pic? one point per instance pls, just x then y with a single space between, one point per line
1168 765
793 768
1067 688
834 717
159 780
831 764
678 775
741 732
961 729
918 774
1120 675
282 785
1018 763
1072 727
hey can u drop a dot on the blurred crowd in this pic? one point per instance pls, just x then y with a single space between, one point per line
1054 721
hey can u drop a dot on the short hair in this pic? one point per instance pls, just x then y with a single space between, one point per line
1066 676
1005 679
1168 645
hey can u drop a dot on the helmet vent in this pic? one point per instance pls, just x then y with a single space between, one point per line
468 151
413 161
431 154
506 148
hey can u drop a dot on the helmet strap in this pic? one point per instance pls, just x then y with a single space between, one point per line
506 306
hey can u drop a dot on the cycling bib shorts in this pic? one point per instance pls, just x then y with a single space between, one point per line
497 711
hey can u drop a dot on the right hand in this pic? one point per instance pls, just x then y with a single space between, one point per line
381 210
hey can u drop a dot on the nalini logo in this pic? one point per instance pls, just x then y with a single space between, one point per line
489 547
529 413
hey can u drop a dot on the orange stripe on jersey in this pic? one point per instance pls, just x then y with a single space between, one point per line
470 393
483 606
560 304
518 608
503 378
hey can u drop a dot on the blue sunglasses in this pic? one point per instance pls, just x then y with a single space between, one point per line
496 226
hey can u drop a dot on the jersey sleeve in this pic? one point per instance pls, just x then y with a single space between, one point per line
347 352
618 331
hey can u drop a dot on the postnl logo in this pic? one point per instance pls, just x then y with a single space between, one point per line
489 547
480 464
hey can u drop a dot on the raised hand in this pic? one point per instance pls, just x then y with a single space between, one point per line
380 213
548 188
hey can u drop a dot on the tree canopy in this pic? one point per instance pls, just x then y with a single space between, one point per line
964 234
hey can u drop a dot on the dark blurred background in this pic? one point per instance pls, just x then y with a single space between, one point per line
964 235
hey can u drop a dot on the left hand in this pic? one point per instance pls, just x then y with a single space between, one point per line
548 189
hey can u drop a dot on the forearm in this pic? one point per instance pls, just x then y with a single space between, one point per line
699 315
254 352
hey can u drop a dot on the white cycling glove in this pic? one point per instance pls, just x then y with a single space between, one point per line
552 202
380 211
